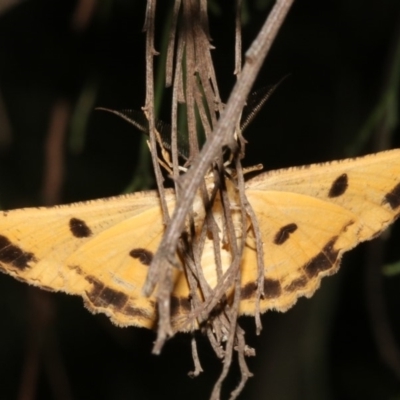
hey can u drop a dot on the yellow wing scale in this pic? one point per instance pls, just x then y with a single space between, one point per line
308 217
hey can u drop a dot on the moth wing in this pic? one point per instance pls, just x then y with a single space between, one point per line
367 186
310 216
303 241
97 249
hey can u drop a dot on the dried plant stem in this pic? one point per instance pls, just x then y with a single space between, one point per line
238 38
226 215
197 366
191 181
164 274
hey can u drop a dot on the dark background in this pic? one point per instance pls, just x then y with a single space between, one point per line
342 59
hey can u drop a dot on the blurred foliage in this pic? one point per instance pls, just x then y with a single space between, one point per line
339 54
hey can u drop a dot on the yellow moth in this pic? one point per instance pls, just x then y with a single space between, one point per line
308 217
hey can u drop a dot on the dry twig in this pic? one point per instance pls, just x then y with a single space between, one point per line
191 73
223 135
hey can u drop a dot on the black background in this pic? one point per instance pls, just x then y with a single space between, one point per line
339 55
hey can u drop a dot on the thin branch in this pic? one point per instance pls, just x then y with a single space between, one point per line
191 181
162 272
169 69
197 366
175 96
238 38
243 351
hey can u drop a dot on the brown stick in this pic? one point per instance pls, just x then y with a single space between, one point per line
191 181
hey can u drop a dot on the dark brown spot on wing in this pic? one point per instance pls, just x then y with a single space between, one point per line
179 305
14 255
323 261
297 284
113 297
272 289
248 290
79 228
144 256
103 296
339 186
393 197
283 234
